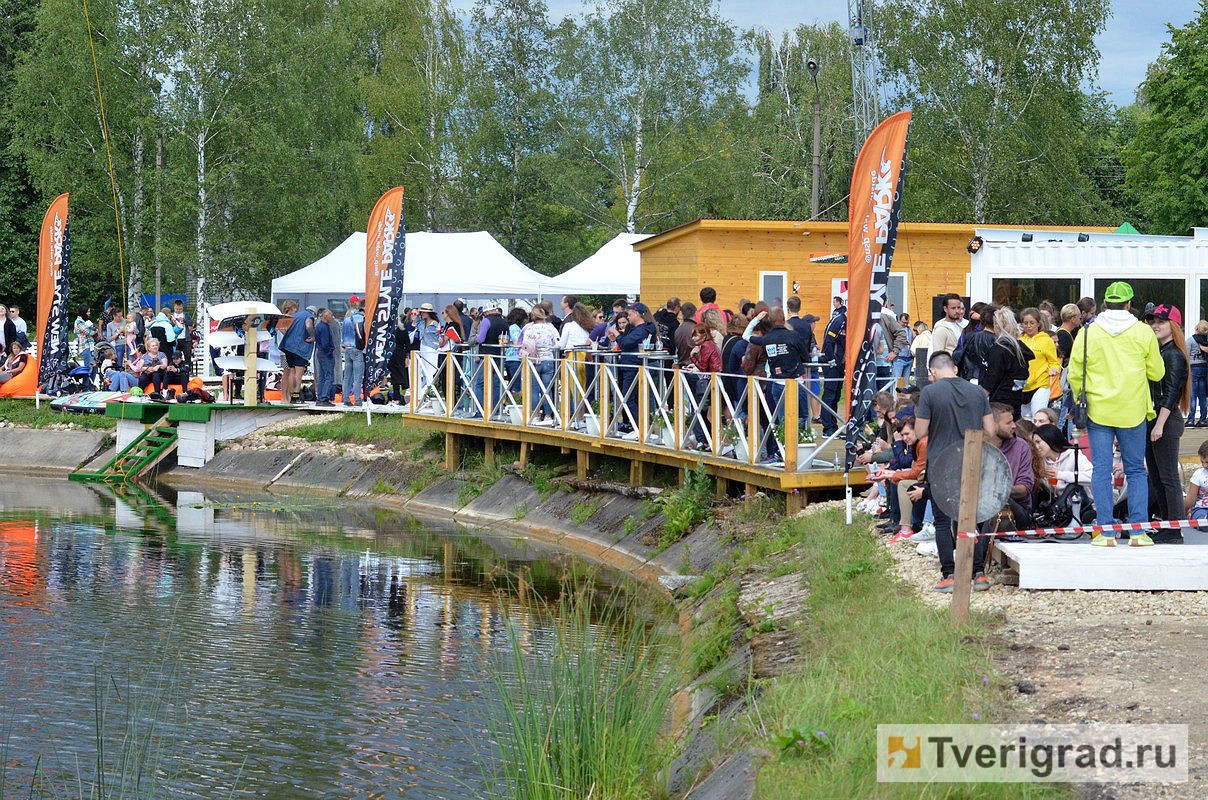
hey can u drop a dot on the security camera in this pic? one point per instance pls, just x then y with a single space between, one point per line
812 66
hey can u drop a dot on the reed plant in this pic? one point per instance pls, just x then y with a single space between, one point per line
584 719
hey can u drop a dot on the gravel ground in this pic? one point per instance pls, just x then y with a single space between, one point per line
1117 657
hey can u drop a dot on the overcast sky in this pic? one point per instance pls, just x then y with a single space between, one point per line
1133 38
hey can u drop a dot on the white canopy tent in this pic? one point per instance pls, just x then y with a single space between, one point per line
614 269
439 267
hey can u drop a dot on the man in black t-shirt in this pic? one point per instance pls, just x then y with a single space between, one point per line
948 407
667 319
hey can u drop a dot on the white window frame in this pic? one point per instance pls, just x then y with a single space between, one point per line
784 286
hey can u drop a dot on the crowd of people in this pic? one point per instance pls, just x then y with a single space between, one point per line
1079 400
143 352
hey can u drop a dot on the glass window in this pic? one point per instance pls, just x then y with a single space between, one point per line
772 287
1021 293
1203 301
1148 290
896 291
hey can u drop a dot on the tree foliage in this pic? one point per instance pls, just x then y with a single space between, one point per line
1167 171
250 137
997 133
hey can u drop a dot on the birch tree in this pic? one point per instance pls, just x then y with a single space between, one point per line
994 85
639 77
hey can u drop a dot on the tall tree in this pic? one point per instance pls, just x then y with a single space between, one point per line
58 130
411 84
509 168
18 200
779 137
1166 168
998 116
644 83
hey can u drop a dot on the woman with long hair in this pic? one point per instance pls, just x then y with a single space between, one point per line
538 341
1059 459
1171 397
1045 365
1007 361
713 320
427 336
452 335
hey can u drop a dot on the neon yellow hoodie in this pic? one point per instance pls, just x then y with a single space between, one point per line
1121 359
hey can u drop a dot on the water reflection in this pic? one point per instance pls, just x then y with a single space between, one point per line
275 649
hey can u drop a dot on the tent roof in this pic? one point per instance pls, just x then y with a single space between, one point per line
436 263
613 269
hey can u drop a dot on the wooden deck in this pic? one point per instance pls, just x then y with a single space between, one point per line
1078 565
797 485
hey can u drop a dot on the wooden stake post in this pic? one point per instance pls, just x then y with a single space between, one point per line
251 379
966 522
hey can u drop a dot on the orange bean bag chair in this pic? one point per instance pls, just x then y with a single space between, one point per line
25 384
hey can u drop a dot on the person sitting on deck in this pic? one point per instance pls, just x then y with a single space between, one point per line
154 365
16 362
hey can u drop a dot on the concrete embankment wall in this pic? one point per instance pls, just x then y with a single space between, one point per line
48 452
510 503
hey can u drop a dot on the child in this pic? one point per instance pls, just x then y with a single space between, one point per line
1196 503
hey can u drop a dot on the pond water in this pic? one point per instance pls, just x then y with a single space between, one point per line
254 647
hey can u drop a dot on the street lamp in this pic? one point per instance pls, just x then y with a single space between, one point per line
811 66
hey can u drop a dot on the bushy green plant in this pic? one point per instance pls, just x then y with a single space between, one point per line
687 507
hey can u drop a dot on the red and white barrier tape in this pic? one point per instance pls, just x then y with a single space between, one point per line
1119 526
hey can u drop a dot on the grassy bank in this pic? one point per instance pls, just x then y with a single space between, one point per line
872 652
385 432
26 414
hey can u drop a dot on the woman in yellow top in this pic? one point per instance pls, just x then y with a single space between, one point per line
1040 388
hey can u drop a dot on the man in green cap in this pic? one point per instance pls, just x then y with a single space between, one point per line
1117 355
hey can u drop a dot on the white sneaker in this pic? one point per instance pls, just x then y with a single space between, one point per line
544 423
632 436
926 534
927 548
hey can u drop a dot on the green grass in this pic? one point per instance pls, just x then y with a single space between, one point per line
23 413
588 720
389 432
874 653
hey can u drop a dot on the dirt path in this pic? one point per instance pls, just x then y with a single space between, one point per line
1120 657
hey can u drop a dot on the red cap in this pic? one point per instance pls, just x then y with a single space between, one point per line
354 299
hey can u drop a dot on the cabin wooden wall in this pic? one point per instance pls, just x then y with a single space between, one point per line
671 270
731 259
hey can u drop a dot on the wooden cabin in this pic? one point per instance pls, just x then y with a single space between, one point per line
767 259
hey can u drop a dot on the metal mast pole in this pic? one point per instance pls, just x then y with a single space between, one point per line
862 45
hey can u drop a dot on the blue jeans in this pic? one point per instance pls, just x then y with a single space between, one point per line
901 369
1132 453
354 375
325 377
1199 393
542 403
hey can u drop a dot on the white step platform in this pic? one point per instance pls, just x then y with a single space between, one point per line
1078 565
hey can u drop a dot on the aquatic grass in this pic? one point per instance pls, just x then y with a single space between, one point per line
584 720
